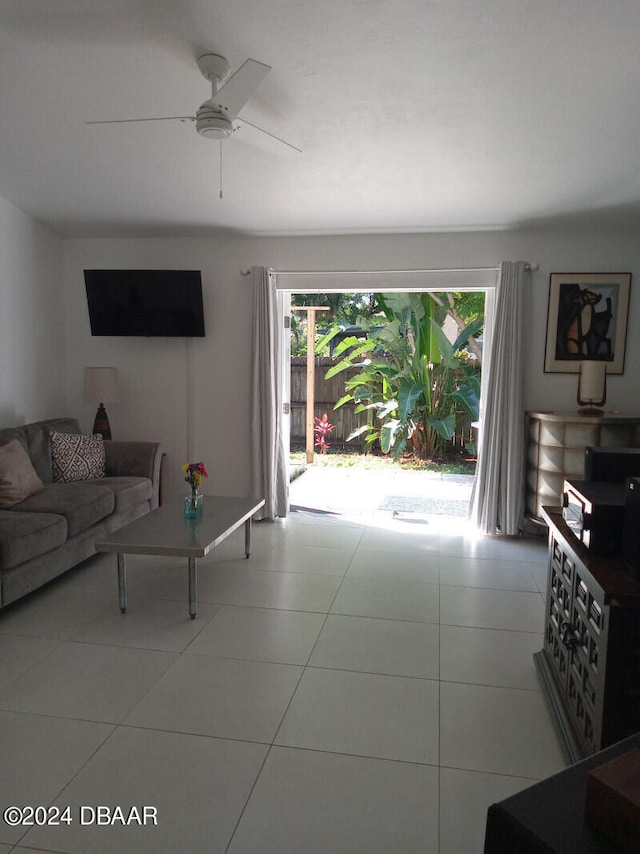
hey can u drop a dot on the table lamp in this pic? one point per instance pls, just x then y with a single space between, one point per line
101 386
592 387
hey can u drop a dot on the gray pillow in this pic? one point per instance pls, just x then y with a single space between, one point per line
18 478
75 456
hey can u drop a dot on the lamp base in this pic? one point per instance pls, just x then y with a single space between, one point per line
101 424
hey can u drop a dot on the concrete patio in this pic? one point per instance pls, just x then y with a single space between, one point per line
425 497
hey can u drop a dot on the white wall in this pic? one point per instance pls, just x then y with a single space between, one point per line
154 371
32 346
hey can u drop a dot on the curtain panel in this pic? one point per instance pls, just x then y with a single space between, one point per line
497 499
268 476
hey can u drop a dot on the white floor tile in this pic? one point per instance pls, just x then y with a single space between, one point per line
315 803
465 797
87 681
222 697
372 563
53 612
152 577
198 786
319 560
489 657
40 755
162 624
261 634
386 717
18 654
388 598
329 642
530 549
401 538
391 647
497 730
491 609
345 537
496 574
289 590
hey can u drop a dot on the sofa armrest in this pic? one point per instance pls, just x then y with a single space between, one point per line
135 459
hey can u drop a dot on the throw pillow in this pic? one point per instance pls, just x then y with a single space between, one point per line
18 478
76 457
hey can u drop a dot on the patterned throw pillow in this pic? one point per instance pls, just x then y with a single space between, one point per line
76 456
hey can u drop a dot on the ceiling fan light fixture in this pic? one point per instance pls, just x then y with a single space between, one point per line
212 124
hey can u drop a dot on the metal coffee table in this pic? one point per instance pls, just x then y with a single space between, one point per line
165 532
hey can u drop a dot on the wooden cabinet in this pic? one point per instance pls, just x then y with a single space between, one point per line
590 660
556 450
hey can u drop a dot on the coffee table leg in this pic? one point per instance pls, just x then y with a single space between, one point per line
193 588
122 583
247 538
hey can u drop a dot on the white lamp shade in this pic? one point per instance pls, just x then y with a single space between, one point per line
101 385
592 380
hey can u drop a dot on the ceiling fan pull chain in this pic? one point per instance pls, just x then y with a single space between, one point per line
220 168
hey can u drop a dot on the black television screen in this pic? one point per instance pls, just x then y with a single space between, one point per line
145 302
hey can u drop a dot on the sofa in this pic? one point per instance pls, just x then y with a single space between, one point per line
60 491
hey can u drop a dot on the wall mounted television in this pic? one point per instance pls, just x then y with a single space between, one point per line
152 303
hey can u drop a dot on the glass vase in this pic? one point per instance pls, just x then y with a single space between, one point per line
193 504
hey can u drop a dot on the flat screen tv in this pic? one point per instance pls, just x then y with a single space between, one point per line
152 303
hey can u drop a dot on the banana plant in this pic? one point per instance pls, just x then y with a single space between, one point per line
411 378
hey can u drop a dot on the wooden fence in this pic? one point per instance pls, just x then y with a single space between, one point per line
345 419
327 394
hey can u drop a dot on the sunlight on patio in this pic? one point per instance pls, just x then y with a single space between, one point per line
418 501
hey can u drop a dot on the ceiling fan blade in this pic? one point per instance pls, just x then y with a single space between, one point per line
261 138
240 86
155 119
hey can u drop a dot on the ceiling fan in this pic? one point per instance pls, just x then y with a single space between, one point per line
218 117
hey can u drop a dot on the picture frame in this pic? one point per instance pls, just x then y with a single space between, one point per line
587 320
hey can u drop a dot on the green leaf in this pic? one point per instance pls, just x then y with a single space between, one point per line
359 346
444 427
327 337
387 408
470 331
387 432
467 399
445 348
398 448
347 398
358 431
408 395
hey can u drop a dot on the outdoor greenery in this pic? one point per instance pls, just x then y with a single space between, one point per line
410 378
375 462
348 309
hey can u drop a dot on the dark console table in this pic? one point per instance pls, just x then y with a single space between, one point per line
550 816
590 660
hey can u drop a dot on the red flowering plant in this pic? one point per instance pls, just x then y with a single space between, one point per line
322 430
193 474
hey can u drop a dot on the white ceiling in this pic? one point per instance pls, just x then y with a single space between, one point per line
413 115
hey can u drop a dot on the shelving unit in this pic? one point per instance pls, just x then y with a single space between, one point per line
556 450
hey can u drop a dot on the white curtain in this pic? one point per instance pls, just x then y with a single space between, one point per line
268 463
497 500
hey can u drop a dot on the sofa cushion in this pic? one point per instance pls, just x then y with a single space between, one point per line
128 491
75 456
82 504
27 535
18 478
38 444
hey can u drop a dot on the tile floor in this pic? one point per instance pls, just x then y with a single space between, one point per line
358 685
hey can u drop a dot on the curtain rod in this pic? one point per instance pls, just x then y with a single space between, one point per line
529 267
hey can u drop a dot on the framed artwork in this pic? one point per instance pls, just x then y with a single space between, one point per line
587 319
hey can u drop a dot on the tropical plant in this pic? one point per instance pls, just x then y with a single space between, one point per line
322 429
410 378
